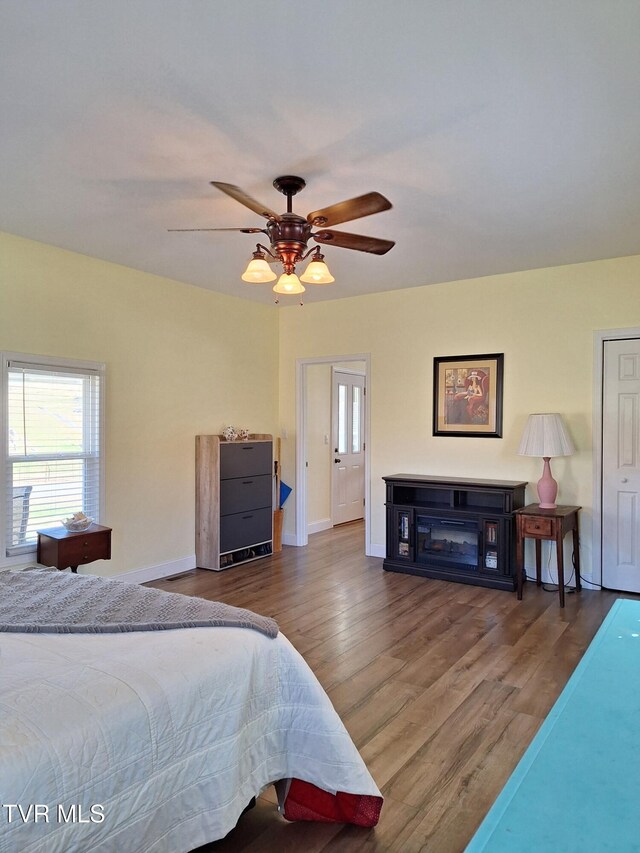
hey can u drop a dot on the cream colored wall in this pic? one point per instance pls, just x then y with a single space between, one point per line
542 320
180 361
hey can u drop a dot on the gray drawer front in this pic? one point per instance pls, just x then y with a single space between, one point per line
245 493
244 529
237 459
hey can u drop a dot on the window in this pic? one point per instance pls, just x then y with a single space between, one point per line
350 416
53 445
356 419
342 419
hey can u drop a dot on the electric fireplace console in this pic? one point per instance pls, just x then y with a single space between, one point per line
453 529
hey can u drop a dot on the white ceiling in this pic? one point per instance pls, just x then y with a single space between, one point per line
506 133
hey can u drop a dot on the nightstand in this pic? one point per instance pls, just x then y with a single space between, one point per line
552 524
60 548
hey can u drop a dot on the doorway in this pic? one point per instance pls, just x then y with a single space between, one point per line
616 540
302 484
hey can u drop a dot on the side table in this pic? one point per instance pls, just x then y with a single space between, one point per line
551 524
63 549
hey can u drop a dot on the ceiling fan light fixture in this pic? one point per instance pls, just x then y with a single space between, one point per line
288 284
289 235
317 271
258 270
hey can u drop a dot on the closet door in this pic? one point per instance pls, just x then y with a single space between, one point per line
621 466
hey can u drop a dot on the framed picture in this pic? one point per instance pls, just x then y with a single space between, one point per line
467 395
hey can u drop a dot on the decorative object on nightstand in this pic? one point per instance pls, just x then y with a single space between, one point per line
77 522
545 435
69 549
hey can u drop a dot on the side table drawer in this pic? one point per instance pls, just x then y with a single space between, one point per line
535 526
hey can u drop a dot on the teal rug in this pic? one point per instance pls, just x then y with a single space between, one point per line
577 787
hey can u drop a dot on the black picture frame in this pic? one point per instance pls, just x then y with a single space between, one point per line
467 395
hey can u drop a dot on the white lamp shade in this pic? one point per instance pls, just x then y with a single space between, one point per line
317 273
288 284
258 271
545 435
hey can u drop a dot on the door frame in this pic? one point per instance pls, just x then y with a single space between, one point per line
600 337
301 534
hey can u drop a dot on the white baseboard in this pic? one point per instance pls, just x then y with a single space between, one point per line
318 526
149 573
164 570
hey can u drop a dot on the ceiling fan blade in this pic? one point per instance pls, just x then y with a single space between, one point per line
244 230
243 198
353 208
354 241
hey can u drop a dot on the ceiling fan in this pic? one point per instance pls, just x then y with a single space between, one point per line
289 234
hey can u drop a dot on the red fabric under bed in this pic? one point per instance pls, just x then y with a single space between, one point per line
306 802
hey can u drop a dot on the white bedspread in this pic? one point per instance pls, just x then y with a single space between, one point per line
158 740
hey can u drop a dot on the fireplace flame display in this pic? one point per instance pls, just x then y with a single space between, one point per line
450 541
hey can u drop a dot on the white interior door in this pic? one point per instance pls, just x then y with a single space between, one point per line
621 466
347 476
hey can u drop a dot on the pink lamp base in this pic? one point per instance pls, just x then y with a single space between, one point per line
547 487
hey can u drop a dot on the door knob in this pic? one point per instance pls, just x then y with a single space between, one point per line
624 480
337 460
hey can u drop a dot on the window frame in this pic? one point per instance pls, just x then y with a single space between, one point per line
27 554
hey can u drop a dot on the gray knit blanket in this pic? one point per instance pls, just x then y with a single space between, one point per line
53 602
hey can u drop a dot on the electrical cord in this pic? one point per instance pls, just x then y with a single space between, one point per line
554 587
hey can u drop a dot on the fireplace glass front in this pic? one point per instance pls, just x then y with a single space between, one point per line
447 542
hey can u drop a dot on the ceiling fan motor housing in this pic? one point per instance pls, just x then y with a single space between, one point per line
289 238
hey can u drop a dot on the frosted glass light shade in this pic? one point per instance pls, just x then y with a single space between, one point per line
258 271
317 273
545 435
288 284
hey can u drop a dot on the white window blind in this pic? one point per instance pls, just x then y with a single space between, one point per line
53 447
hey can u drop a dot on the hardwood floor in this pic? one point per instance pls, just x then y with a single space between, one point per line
442 686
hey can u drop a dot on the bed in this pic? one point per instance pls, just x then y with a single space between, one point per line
158 740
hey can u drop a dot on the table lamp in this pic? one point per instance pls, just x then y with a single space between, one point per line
545 435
